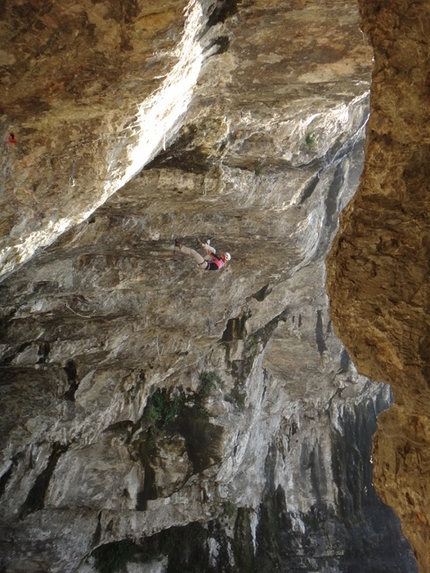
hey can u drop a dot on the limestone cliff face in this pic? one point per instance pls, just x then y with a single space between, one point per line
90 91
157 418
379 265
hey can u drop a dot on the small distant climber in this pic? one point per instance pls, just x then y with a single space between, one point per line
12 139
211 261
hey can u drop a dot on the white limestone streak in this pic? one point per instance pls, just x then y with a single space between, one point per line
157 116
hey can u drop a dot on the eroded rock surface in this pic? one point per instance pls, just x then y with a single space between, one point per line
379 266
155 417
90 92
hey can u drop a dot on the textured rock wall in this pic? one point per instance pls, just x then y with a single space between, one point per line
90 91
379 265
156 418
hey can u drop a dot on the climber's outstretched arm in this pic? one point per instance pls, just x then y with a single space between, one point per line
208 248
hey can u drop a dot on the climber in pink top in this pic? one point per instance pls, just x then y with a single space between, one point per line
211 261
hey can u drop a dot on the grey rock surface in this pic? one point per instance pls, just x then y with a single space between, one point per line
181 420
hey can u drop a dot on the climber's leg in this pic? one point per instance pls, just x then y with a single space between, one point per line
198 258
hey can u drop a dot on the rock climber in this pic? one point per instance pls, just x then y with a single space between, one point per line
211 261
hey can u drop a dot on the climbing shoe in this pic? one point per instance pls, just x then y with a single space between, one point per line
178 243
